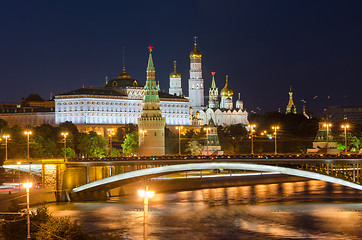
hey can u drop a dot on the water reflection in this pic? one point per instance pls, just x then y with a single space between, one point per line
301 210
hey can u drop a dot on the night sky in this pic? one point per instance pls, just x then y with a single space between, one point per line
264 46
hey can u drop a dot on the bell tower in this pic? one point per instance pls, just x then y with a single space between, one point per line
196 83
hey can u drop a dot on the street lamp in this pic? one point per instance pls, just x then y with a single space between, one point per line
275 128
327 125
146 195
207 139
345 127
65 134
252 126
19 163
28 156
179 139
6 146
28 185
111 132
143 133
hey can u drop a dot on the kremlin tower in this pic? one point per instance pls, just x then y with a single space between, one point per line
151 124
213 94
196 83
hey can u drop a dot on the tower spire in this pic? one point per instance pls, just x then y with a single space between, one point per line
150 61
213 84
174 66
123 75
195 42
124 68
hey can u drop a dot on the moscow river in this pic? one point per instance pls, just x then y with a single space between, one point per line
299 210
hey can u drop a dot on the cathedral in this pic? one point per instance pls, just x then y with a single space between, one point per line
220 112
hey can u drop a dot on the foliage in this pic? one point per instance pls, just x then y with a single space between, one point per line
194 147
93 145
69 151
115 153
171 142
123 131
130 144
63 227
3 125
44 226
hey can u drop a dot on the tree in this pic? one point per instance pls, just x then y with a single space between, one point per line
194 147
123 131
44 226
3 124
131 144
73 138
93 145
56 228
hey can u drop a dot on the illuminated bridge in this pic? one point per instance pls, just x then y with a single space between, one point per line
77 178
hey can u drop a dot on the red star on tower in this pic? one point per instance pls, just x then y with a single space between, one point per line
150 48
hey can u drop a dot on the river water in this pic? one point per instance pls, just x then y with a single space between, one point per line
299 210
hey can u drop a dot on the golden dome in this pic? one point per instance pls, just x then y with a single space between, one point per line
124 75
175 74
226 91
195 53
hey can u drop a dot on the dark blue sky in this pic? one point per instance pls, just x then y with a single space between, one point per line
264 46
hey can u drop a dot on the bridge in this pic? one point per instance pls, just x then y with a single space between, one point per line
94 178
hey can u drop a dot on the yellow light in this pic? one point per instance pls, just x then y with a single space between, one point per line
18 163
28 184
111 131
143 193
64 134
27 132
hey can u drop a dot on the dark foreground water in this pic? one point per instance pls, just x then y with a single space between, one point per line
301 210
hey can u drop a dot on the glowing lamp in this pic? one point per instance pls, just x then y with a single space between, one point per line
28 185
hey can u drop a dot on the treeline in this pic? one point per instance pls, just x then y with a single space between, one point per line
295 135
46 141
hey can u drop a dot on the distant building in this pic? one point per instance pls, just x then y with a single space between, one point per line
324 141
31 111
291 108
349 114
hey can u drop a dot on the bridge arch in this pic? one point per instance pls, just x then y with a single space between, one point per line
117 180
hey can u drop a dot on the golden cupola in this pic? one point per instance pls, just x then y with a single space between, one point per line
226 91
175 74
194 54
123 75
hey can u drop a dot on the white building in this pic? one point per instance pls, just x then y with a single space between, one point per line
119 102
